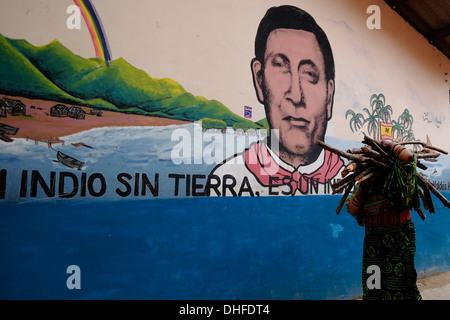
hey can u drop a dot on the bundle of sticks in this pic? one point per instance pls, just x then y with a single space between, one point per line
373 158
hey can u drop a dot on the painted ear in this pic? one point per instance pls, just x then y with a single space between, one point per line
330 98
258 79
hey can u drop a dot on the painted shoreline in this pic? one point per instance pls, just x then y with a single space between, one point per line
39 124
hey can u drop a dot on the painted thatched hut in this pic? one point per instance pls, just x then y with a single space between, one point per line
76 113
59 110
12 107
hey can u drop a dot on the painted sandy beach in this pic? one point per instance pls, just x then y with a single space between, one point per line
39 124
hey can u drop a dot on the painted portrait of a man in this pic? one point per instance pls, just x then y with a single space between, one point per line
294 78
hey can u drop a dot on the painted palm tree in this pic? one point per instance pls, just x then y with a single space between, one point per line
398 127
377 101
356 121
407 119
385 113
380 111
408 135
372 121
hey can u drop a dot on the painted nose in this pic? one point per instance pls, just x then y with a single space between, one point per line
295 93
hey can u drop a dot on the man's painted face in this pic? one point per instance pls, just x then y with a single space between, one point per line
293 88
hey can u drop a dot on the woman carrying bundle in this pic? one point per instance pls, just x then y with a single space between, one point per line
382 204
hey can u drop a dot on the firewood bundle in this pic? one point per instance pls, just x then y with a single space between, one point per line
374 158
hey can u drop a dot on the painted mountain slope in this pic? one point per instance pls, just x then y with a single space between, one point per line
18 76
53 72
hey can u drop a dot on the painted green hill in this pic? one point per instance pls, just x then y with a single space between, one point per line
263 123
19 76
53 72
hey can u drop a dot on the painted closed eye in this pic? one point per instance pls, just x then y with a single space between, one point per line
282 65
309 73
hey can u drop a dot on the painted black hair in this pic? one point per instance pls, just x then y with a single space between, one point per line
290 17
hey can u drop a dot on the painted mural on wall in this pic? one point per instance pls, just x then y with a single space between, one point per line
51 96
296 86
153 122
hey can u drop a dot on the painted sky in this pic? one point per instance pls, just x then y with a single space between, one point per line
207 47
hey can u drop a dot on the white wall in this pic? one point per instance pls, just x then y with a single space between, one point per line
207 46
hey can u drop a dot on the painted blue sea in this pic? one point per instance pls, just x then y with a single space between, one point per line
167 246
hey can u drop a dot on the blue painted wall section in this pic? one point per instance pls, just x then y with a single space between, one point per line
216 248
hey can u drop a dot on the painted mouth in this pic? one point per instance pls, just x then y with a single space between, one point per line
297 122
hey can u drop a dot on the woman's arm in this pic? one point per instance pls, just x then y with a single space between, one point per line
356 203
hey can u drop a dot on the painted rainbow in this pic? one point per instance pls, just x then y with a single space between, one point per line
95 28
